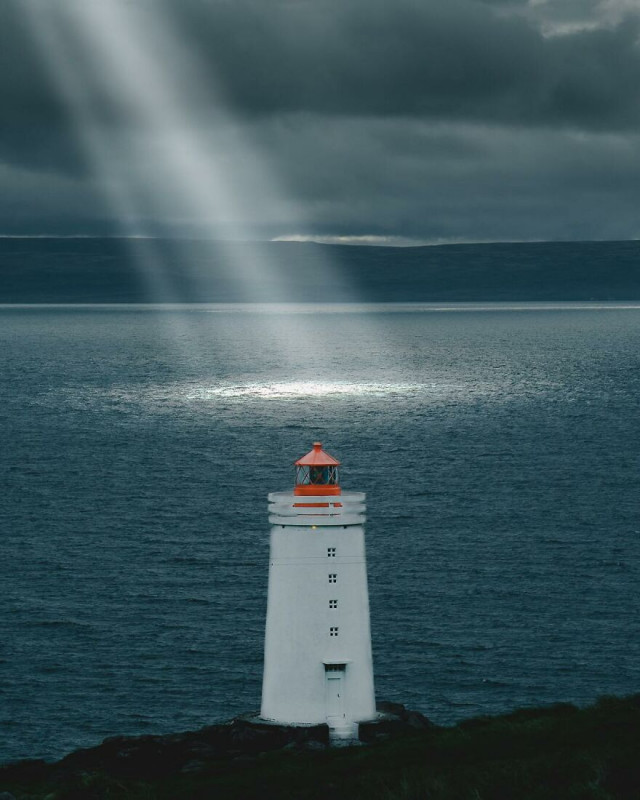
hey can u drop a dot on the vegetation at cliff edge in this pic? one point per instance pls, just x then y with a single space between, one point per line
532 754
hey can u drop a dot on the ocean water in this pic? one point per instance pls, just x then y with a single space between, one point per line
498 445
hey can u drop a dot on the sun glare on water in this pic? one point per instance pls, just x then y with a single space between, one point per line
295 389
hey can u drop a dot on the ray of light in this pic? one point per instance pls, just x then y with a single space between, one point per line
118 41
117 60
60 52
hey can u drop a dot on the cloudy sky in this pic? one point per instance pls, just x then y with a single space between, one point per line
357 120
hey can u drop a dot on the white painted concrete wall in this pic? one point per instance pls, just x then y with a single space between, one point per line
298 643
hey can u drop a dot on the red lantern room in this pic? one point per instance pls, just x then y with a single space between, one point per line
317 473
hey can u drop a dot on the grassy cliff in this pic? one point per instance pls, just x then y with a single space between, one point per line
532 754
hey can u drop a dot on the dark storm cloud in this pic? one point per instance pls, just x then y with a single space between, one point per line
418 118
449 181
453 59
442 59
35 124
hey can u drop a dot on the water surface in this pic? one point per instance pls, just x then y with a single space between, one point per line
497 444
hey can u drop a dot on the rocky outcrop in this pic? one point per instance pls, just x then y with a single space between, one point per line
393 720
154 757
244 739
550 752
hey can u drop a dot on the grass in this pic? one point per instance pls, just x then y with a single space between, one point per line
557 753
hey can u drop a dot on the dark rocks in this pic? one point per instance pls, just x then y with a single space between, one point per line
256 735
393 720
27 770
414 719
241 741
151 758
193 768
387 707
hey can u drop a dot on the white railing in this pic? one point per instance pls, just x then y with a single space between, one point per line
286 508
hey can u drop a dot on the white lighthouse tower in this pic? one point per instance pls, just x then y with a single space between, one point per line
317 661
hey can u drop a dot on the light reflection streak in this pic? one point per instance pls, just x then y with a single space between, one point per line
308 389
209 396
291 389
204 397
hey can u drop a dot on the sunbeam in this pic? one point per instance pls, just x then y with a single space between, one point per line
118 62
60 51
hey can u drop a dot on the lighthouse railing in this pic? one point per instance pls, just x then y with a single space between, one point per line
286 508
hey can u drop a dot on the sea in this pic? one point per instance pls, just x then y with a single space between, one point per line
498 444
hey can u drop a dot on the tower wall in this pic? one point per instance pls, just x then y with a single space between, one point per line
310 675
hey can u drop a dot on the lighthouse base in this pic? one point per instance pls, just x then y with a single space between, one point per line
336 736
391 720
341 734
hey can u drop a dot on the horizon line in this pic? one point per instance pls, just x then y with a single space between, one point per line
373 242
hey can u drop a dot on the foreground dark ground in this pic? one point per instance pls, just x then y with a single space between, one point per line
550 753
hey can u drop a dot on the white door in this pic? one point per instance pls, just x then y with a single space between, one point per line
335 697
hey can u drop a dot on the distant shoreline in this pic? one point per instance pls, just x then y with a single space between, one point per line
115 270
324 241
346 307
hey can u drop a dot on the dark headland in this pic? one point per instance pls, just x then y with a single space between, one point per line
43 270
548 753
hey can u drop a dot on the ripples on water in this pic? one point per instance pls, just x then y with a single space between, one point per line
499 451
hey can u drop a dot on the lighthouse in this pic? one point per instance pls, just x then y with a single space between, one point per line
318 666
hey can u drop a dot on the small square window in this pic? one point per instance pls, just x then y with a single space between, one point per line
333 631
333 578
333 603
331 552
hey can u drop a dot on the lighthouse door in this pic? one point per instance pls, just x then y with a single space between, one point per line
335 697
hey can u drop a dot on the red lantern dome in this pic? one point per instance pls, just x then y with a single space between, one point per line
317 473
